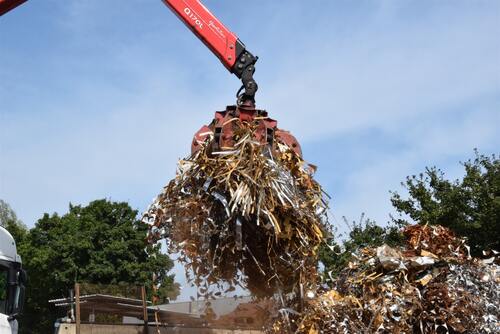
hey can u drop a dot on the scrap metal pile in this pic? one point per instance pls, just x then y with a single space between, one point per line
245 215
431 285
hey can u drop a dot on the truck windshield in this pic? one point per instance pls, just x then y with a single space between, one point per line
4 275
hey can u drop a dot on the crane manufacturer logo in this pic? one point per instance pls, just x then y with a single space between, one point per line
193 17
216 28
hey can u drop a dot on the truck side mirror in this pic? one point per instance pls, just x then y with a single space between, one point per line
20 291
23 277
20 300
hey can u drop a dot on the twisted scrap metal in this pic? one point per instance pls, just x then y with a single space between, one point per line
431 285
245 215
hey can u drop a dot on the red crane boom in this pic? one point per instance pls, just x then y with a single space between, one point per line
223 43
7 5
220 40
207 28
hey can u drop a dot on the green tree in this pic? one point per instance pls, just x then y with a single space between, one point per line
366 233
101 243
6 213
470 206
9 221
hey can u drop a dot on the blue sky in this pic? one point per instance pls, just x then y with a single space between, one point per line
101 98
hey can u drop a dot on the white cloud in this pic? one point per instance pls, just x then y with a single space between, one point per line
430 143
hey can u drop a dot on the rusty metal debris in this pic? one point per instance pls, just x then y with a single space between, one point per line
431 285
245 215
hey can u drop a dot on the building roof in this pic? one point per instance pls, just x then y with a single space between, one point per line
125 307
96 298
220 306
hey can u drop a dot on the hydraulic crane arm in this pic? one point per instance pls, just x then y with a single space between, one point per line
7 5
223 43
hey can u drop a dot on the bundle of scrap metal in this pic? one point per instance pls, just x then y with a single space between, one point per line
244 215
431 285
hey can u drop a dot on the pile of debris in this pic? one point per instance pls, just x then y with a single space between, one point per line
245 215
431 285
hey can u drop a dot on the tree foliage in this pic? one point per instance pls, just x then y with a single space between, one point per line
103 243
470 206
9 221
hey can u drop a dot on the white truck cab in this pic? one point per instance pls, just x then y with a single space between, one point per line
12 280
